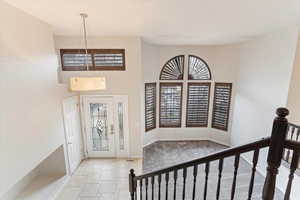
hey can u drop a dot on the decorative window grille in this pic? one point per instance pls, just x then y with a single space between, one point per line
99 120
221 106
121 125
150 106
97 59
198 69
170 104
173 69
197 104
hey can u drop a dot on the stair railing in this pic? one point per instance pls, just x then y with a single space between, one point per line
293 134
149 185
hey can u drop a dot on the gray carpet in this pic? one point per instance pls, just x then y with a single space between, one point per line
163 154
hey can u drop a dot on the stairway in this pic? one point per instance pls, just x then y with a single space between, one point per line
226 174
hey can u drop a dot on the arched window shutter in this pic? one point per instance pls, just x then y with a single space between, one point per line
173 69
198 69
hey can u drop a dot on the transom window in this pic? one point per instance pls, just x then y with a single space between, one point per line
96 59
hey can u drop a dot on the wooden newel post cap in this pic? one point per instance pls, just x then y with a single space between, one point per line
132 171
282 112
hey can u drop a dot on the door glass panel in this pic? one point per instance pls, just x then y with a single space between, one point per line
121 125
99 126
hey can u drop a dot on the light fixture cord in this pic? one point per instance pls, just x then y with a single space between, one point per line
85 40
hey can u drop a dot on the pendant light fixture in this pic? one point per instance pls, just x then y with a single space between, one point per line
84 16
86 83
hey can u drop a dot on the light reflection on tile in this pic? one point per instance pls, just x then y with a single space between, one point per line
100 179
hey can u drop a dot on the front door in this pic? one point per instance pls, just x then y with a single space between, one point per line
100 127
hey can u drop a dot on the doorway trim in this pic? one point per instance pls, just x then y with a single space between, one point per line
66 103
116 99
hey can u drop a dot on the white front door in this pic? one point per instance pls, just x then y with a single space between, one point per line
100 127
106 125
72 132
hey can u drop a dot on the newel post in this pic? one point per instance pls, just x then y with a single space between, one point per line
275 154
132 185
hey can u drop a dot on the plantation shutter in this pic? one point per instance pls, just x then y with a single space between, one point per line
170 104
173 69
75 60
221 107
97 59
109 59
198 69
197 104
150 106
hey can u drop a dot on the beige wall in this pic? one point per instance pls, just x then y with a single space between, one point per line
127 82
222 61
264 74
30 112
294 90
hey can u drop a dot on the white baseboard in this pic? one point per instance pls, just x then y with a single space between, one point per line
19 187
136 157
65 181
218 142
186 139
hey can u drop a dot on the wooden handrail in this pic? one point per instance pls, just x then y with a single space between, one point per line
292 138
292 145
294 125
212 157
276 143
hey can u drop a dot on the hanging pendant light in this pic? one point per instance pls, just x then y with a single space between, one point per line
86 83
84 16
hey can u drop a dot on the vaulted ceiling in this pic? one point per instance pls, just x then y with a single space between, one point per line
205 22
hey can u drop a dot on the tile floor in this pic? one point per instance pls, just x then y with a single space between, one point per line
107 179
100 179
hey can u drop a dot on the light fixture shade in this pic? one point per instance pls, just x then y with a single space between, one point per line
87 83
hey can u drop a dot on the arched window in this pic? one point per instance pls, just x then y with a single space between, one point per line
198 69
197 85
173 69
198 93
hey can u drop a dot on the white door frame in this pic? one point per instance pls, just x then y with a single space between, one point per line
75 101
116 99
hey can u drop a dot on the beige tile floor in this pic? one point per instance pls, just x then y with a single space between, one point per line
100 179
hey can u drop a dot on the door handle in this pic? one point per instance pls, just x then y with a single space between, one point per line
70 143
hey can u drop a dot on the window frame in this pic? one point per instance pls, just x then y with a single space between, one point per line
214 105
187 103
181 99
155 106
93 67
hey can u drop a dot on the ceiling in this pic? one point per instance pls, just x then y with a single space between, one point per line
178 22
